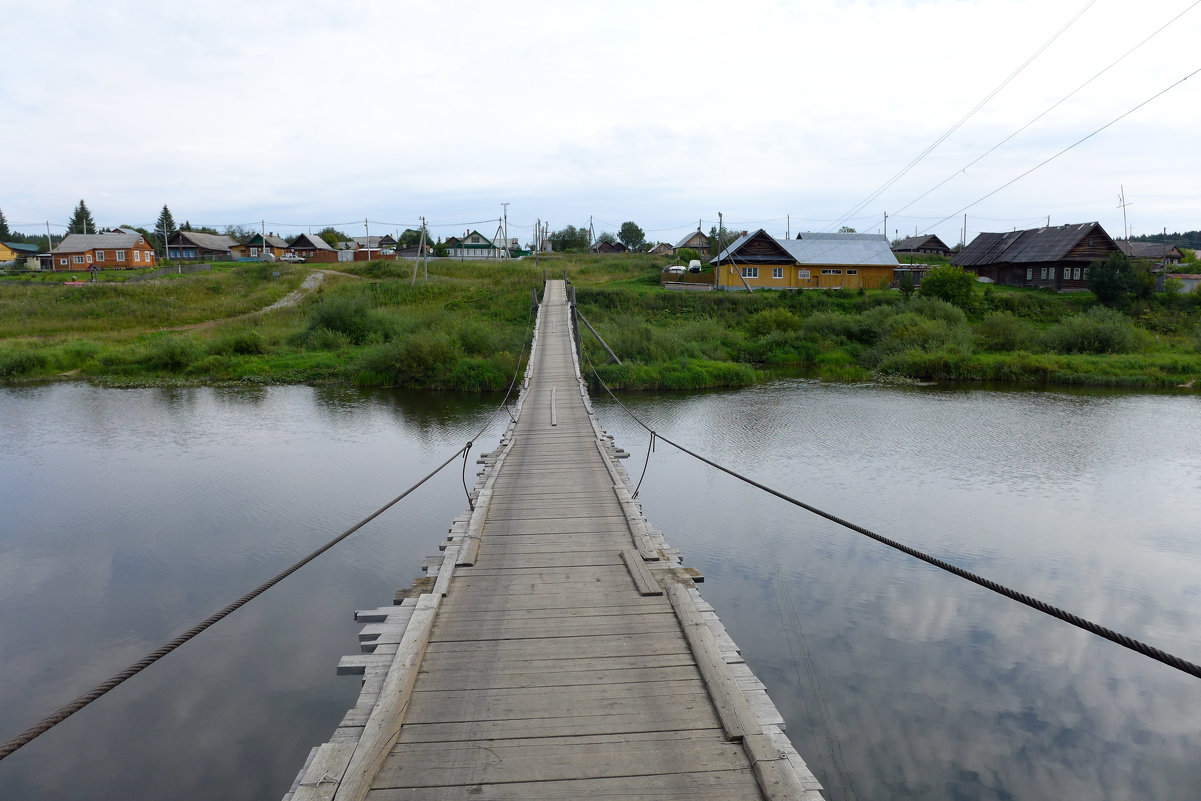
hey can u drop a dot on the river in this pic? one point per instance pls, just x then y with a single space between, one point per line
127 515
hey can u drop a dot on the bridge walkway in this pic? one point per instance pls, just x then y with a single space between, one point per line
554 657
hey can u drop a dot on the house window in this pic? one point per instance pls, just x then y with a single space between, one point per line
475 239
1029 273
63 262
89 257
100 255
77 259
852 272
254 252
750 272
1075 273
777 272
802 274
1085 273
831 272
1043 274
137 255
120 255
1051 273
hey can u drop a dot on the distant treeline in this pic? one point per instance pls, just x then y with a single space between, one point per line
1189 239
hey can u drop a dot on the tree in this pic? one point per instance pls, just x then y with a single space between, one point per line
81 221
687 255
846 229
1113 281
631 235
569 239
410 238
605 236
950 283
719 239
4 232
907 284
332 236
165 224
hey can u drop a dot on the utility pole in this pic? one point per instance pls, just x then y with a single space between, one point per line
591 232
885 225
1122 204
963 239
367 228
788 227
717 264
505 206
263 234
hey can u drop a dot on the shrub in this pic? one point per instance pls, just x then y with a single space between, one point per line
352 317
172 353
1001 331
937 309
246 341
15 363
949 283
415 360
771 320
1099 330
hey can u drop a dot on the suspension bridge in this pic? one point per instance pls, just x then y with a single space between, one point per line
558 647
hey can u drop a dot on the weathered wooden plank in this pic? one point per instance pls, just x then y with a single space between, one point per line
511 675
736 717
566 629
695 786
324 773
557 758
552 647
646 583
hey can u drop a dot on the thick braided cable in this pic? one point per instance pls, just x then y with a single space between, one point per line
27 736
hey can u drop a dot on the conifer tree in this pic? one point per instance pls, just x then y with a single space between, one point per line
81 221
165 222
4 232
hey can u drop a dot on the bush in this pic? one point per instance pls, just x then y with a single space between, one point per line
172 353
416 360
1099 330
949 283
1002 331
352 317
246 342
15 363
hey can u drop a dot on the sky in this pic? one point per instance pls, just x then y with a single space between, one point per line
788 116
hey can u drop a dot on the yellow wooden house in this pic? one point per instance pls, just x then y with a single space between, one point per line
811 261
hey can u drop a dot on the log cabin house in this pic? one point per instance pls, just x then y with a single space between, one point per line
1048 258
108 251
695 240
195 246
811 261
927 243
312 249
258 246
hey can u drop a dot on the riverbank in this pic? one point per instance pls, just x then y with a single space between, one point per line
467 328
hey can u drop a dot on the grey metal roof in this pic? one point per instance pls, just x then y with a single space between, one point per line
375 241
206 241
683 243
310 241
79 243
1146 250
822 248
1033 245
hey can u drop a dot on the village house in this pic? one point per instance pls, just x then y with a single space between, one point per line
195 246
1158 252
16 251
259 247
662 249
927 243
472 245
697 241
609 247
111 251
812 260
1049 258
313 249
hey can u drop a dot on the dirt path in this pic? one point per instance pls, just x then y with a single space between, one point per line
311 282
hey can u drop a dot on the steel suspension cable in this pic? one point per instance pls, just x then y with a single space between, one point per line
27 736
1137 646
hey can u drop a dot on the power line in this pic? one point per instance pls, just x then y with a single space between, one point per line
1051 108
917 159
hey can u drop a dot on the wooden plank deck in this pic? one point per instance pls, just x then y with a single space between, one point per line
564 653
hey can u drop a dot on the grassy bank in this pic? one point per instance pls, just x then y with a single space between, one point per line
466 327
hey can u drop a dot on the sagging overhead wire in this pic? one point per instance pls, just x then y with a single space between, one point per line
1047 111
930 148
1137 646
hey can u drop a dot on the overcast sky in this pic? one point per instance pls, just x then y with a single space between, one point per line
308 113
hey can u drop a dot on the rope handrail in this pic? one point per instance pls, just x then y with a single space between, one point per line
1171 660
64 712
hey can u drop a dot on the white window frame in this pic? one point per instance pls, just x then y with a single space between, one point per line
1029 273
802 274
750 272
137 255
254 252
1051 273
1075 273
1042 275
100 255
120 255
831 271
777 272
88 256
77 259
63 261
1085 273
852 272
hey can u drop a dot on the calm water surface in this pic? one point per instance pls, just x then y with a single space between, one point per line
126 515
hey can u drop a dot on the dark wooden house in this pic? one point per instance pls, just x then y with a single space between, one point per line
1158 252
1049 258
609 247
927 243
313 248
195 246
